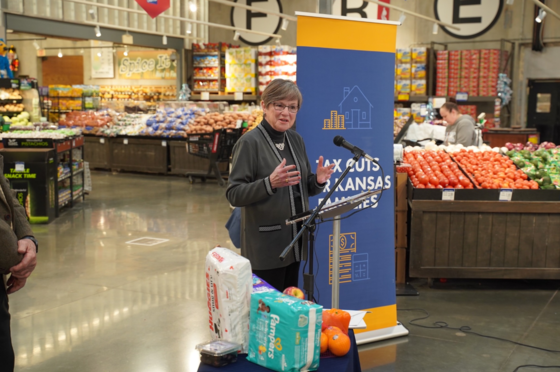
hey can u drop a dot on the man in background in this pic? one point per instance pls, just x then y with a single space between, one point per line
18 249
460 128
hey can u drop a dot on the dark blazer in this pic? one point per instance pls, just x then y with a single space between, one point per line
13 225
264 233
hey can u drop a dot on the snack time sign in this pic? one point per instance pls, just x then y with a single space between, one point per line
146 65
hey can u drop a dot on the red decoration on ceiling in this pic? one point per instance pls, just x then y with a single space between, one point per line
154 7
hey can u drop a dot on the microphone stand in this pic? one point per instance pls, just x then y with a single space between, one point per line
309 224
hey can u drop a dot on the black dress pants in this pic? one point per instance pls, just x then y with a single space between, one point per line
6 349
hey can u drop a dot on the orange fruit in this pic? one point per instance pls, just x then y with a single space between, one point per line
339 344
331 331
324 342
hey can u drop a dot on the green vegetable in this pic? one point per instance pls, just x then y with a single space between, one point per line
546 180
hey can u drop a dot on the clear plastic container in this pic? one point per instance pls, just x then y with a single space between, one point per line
218 353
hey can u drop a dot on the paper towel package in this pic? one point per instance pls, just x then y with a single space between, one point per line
229 285
285 333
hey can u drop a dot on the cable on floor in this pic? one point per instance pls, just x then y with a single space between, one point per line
468 330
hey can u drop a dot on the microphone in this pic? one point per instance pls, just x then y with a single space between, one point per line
341 142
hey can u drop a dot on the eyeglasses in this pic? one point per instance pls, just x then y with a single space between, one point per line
280 107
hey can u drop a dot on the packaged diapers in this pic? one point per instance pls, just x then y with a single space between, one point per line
260 285
285 333
228 288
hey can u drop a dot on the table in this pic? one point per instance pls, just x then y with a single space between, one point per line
348 363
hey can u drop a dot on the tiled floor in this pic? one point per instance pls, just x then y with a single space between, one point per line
95 303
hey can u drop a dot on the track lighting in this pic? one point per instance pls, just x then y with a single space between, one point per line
277 41
164 40
285 23
540 17
126 51
99 54
402 18
189 28
92 14
97 31
36 45
509 2
236 35
82 51
435 29
192 6
60 53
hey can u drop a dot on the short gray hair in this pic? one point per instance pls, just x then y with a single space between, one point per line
280 89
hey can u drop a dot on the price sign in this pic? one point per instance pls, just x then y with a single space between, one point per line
205 96
102 140
506 194
125 141
403 97
462 97
164 143
238 96
20 166
448 194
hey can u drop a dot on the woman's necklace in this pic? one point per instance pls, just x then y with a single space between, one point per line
280 146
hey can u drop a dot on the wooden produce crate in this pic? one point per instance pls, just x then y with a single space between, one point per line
97 151
485 239
139 155
181 162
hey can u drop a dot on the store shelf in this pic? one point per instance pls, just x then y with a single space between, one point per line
206 53
414 99
10 101
78 172
225 97
206 65
79 195
206 78
207 90
65 177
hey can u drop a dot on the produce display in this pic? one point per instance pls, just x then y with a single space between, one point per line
542 166
7 94
213 121
50 133
431 169
172 122
15 107
491 170
20 120
138 93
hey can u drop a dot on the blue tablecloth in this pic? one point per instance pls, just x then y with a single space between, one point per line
348 363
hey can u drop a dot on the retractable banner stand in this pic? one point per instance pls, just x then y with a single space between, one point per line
346 75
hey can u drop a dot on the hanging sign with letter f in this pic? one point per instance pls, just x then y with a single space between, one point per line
154 7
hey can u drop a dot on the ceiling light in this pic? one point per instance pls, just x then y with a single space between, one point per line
60 53
509 2
97 31
192 6
36 45
435 29
164 40
285 23
402 18
277 41
189 28
82 51
92 14
125 51
99 54
236 35
541 16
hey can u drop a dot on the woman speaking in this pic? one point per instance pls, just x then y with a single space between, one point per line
271 180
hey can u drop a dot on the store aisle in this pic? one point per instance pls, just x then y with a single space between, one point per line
97 304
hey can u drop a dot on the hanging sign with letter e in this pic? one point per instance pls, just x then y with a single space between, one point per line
154 7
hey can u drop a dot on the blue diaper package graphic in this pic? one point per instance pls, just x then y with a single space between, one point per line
260 285
285 332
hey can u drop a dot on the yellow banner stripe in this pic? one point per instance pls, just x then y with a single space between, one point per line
343 34
379 317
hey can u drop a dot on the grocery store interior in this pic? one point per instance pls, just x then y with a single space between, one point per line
118 121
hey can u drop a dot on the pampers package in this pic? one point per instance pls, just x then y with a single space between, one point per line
229 285
285 333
